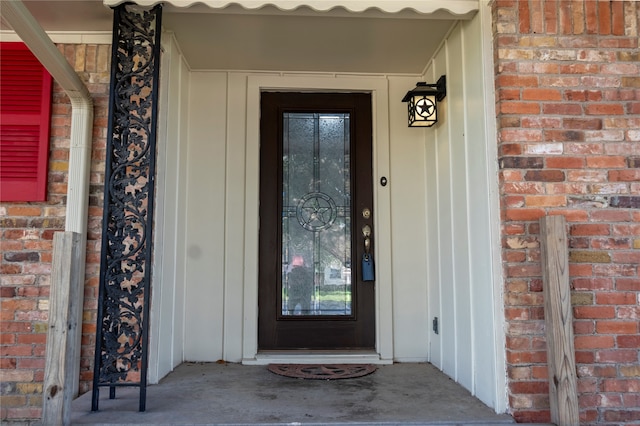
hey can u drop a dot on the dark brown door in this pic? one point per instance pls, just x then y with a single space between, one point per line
315 199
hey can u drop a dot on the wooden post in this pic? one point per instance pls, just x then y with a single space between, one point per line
65 323
558 315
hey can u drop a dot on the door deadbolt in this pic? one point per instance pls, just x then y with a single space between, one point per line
366 213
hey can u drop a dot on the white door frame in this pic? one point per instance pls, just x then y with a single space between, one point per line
377 86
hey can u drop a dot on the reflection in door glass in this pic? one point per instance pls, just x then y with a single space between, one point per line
316 215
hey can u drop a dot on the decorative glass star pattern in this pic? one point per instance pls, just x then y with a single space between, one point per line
316 211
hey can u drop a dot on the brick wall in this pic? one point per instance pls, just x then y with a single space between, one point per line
568 102
26 241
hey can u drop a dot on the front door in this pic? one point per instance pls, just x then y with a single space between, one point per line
316 198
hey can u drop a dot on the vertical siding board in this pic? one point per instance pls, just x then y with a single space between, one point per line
408 229
234 238
206 180
433 249
445 231
175 186
160 355
459 208
479 223
181 220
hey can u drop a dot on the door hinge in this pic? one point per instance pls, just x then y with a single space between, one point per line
435 325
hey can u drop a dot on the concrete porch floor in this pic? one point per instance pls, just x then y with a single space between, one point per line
233 394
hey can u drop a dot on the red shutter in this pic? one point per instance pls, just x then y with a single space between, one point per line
25 111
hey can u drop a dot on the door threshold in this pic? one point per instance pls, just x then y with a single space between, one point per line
316 357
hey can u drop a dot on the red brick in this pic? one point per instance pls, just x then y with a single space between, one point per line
617 327
541 94
545 201
622 416
529 387
610 216
613 270
590 229
550 17
611 244
631 257
565 162
628 284
628 312
32 363
564 135
593 312
604 109
624 175
616 298
524 214
539 372
583 327
623 230
16 350
32 338
606 162
585 357
583 95
510 149
516 81
24 211
23 413
559 109
591 283
519 108
582 123
617 18
523 270
628 341
604 18
532 416
594 342
509 94
520 135
621 385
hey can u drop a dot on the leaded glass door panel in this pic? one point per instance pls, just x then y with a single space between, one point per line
315 178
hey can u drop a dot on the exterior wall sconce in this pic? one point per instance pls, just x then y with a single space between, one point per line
423 102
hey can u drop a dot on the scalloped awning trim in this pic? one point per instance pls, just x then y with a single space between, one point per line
457 8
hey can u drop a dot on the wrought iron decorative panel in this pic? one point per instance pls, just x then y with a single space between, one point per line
125 267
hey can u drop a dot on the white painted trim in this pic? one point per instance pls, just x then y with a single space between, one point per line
378 87
317 358
67 37
494 206
456 8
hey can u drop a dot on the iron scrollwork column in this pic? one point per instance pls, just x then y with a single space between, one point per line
124 298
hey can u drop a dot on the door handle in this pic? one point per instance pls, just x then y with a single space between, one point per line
366 233
368 273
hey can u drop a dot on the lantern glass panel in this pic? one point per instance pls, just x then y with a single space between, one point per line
423 110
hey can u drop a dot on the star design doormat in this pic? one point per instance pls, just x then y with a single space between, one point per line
322 371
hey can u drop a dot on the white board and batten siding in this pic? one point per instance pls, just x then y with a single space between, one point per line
434 238
461 206
168 304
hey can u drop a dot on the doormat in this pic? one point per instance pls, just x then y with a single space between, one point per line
322 371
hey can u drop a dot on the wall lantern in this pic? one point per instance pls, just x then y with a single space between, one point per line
423 102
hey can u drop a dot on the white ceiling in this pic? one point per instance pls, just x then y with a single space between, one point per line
271 39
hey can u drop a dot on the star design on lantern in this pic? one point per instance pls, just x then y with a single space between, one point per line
425 107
